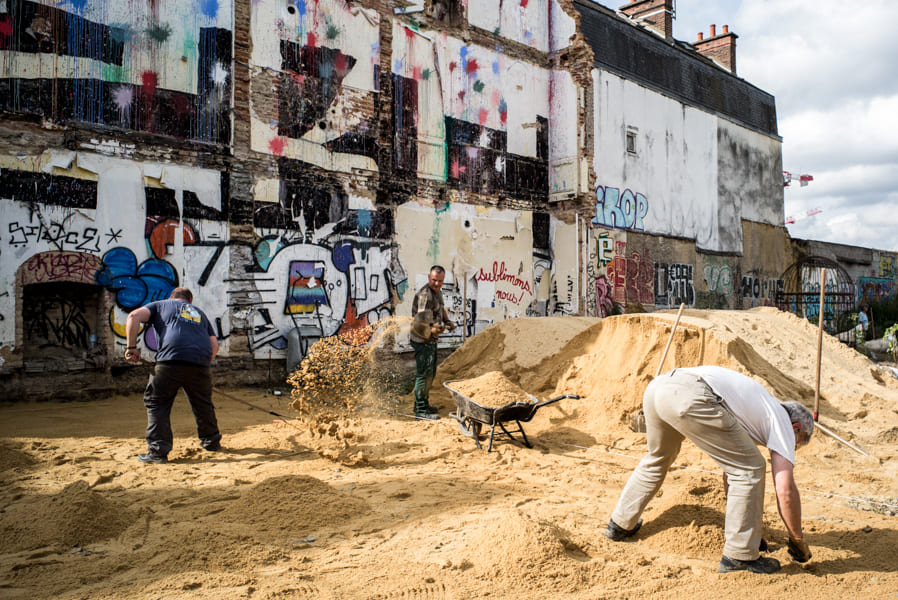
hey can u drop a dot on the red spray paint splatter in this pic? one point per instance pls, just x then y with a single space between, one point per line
452 66
418 73
149 80
524 3
277 146
482 116
461 95
5 31
340 65
311 39
472 66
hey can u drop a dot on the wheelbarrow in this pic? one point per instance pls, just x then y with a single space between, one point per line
472 416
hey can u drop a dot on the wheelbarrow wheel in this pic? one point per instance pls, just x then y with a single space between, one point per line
468 426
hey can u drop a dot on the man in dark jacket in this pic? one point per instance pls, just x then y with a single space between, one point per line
187 347
429 320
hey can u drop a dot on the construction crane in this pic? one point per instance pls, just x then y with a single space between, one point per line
804 215
803 179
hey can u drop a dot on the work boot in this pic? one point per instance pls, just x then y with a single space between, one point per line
427 416
213 447
432 409
763 564
616 533
152 457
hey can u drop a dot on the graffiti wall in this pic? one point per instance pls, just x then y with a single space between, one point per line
499 264
665 168
324 261
469 115
158 67
523 21
134 230
655 163
556 280
314 78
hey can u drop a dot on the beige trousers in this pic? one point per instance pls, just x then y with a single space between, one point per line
678 405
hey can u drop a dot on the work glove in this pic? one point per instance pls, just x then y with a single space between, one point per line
450 325
437 330
799 549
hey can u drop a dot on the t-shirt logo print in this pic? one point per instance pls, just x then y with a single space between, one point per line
189 313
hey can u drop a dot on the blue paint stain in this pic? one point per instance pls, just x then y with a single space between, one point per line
365 221
135 285
463 53
78 5
120 32
301 7
398 66
209 8
342 256
496 67
401 289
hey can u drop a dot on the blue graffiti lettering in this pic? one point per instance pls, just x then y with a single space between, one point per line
622 211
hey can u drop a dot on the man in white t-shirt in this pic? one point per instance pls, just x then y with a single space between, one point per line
727 415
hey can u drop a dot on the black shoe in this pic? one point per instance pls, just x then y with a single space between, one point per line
152 457
432 409
762 564
616 533
427 416
213 447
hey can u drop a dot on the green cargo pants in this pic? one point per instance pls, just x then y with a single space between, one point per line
425 370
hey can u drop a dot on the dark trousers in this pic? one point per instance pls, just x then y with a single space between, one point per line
166 380
425 370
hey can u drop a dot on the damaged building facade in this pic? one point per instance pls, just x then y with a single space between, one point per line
302 163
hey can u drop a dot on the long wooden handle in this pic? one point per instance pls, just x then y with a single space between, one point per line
670 339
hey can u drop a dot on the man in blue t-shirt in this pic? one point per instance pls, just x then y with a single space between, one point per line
187 347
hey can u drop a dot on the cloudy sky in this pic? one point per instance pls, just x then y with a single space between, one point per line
833 68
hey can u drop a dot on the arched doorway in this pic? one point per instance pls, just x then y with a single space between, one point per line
63 311
801 293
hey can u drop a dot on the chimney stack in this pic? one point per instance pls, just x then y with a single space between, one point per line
719 48
657 15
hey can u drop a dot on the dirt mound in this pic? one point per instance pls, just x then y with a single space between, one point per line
688 520
76 516
297 505
520 547
14 458
491 389
609 362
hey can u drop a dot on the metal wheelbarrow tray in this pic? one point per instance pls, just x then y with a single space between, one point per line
472 416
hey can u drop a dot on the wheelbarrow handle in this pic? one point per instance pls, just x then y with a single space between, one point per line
556 399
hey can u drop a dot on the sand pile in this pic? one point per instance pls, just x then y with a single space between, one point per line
609 362
492 389
76 516
13 458
375 505
516 546
295 505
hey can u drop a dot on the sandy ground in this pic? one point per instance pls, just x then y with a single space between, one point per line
376 505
